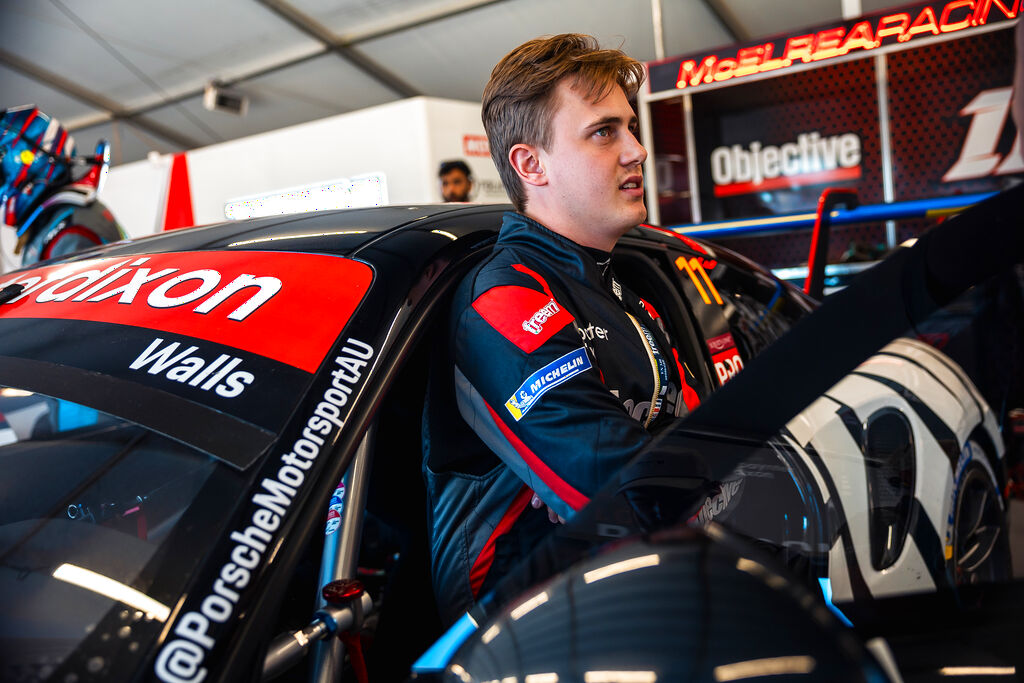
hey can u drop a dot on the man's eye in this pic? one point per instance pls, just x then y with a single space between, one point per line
603 132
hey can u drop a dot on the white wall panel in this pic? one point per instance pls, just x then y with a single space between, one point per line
136 194
404 140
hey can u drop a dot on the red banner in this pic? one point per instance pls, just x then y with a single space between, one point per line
285 306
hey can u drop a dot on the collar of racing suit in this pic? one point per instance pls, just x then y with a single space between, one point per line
581 263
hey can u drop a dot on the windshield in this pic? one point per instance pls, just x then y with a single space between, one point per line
93 513
190 345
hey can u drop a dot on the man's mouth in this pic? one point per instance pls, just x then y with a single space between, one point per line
632 183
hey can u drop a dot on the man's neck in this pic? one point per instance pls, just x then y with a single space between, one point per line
580 234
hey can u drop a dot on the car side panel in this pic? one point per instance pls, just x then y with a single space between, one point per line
943 409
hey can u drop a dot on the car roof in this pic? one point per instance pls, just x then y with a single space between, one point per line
338 232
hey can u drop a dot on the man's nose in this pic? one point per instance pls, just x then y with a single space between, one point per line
634 154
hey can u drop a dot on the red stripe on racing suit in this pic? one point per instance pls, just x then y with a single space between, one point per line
483 562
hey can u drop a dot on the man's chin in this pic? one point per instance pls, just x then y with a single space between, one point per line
639 216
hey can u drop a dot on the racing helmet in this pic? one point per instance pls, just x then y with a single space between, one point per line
35 152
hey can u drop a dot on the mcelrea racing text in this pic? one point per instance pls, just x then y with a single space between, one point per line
181 658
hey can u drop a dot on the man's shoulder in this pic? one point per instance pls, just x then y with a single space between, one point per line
512 298
504 267
523 250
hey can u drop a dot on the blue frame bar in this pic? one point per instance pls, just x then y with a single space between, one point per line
872 213
826 592
441 652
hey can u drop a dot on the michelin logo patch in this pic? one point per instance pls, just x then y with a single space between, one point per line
548 377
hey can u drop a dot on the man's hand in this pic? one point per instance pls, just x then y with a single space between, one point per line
536 502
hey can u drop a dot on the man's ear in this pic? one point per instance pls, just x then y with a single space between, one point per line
527 164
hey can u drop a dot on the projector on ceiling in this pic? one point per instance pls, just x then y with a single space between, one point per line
218 98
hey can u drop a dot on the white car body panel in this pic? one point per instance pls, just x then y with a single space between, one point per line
883 382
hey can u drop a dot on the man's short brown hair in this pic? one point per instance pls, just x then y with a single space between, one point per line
519 100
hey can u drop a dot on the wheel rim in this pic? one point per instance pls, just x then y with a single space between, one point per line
978 530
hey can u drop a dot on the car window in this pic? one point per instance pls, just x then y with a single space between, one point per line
90 505
195 333
758 307
735 308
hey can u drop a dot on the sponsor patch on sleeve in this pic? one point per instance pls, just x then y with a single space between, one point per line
548 377
524 316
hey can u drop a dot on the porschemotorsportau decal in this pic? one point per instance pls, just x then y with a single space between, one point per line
285 306
182 658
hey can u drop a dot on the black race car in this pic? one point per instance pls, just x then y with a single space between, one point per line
205 428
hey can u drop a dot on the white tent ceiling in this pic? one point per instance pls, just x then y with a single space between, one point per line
133 71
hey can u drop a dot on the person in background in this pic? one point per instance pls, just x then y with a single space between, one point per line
456 181
554 374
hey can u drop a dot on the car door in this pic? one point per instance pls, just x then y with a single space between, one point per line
772 497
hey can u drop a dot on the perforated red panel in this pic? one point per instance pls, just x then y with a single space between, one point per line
929 87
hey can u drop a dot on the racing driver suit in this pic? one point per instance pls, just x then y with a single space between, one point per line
558 373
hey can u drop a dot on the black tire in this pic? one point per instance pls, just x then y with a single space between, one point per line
980 540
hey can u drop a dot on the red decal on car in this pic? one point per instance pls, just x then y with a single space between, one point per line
285 306
708 262
936 339
524 316
725 357
721 343
727 364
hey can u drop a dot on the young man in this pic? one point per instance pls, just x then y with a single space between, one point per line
558 372
456 181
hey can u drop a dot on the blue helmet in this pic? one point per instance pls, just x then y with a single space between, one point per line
35 151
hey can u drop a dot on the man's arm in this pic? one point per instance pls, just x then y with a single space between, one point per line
526 385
